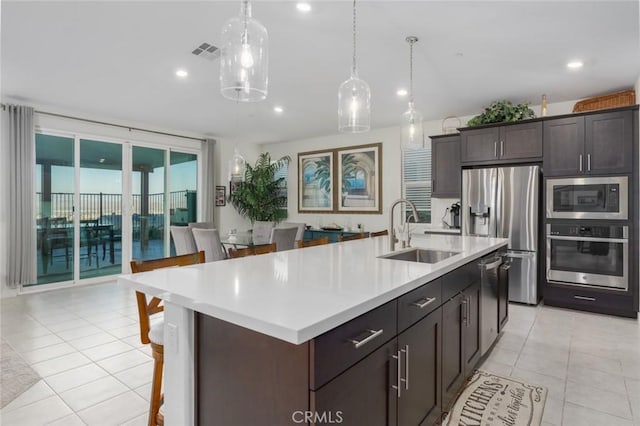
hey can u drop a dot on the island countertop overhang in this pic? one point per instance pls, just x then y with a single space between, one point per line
297 295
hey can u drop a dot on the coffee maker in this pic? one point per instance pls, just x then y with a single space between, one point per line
454 211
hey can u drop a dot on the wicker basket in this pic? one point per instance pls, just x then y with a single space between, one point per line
612 100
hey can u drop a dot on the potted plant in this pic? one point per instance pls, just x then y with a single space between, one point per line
502 112
259 197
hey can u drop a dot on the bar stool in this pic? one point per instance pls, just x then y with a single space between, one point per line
154 334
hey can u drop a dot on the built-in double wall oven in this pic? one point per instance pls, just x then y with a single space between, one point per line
591 255
589 245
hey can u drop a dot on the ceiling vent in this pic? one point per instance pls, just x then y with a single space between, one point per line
207 51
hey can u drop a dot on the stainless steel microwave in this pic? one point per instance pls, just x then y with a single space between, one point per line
588 198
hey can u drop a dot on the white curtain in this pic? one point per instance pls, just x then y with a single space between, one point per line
208 181
21 242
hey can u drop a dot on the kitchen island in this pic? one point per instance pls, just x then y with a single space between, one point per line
275 335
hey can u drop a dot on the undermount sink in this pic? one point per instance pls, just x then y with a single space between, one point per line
421 255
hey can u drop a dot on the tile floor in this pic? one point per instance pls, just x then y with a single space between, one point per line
84 343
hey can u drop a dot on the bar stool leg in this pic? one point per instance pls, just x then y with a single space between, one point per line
155 418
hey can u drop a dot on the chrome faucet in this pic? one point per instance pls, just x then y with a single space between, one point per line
392 232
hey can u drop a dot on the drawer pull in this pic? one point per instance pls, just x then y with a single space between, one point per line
424 302
397 386
590 299
373 335
406 366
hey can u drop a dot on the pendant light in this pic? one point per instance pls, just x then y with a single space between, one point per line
237 166
244 59
354 97
411 134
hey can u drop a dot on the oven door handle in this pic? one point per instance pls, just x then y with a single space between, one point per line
589 239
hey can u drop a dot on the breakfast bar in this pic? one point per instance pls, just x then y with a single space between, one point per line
258 339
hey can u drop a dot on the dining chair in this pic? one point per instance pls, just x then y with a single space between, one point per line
154 334
379 233
202 225
261 232
183 240
250 251
311 243
351 237
284 238
208 240
298 225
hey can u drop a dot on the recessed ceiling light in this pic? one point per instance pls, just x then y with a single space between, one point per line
574 65
182 73
102 160
303 7
278 109
402 92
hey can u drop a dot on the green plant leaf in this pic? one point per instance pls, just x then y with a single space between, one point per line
258 197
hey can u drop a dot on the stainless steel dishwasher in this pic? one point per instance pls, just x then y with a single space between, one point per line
489 267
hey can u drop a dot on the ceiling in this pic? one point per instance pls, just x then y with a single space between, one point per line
117 60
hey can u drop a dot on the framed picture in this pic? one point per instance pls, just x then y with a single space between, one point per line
315 182
359 179
234 185
221 196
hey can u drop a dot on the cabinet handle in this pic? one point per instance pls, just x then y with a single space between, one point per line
590 299
580 162
588 162
464 311
397 386
495 148
501 148
373 335
406 366
424 302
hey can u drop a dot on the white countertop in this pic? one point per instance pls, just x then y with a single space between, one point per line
297 295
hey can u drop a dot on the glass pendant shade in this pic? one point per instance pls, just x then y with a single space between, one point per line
244 58
237 166
354 105
411 134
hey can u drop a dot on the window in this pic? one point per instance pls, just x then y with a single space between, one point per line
416 181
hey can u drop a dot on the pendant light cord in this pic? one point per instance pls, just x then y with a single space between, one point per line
411 40
353 70
411 71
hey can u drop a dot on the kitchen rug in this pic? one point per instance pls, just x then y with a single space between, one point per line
490 400
15 375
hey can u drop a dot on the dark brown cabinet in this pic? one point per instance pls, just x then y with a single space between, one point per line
471 328
421 354
361 395
502 144
445 166
592 144
460 340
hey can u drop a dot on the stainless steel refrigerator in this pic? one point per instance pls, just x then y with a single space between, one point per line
503 202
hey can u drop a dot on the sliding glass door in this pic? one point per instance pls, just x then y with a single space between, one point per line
89 190
148 190
100 208
55 182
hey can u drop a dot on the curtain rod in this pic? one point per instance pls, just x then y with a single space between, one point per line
115 125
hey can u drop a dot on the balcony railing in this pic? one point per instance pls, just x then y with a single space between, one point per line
107 208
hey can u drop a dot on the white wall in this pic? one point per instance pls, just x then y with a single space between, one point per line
391 169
